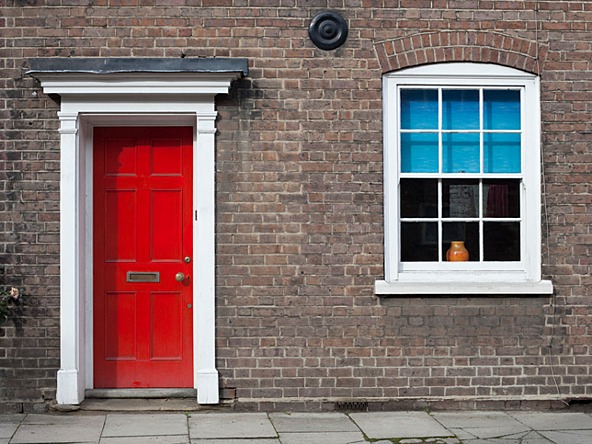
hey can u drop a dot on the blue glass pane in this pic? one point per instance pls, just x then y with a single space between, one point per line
419 109
502 153
419 152
501 110
460 153
460 109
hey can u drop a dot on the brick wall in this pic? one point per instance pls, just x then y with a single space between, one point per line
299 198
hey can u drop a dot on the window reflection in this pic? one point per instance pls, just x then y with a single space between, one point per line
460 198
501 198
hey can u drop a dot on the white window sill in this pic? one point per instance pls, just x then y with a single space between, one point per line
384 288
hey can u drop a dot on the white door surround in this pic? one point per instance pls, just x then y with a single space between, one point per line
131 92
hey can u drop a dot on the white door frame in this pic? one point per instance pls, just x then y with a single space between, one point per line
146 99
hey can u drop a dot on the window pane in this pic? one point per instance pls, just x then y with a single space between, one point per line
501 241
468 232
419 198
501 198
460 198
460 109
502 153
419 241
460 153
419 152
419 109
501 110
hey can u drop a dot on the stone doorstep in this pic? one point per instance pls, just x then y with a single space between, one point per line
141 393
141 400
135 405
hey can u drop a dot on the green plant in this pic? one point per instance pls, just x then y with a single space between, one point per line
9 300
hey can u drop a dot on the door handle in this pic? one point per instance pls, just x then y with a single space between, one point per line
180 277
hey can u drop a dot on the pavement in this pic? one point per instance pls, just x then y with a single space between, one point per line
444 427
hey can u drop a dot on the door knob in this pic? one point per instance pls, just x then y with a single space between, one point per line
179 277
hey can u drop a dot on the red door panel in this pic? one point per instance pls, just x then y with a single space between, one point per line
120 244
166 217
119 321
166 314
142 232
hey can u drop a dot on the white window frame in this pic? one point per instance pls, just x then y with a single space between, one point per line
522 277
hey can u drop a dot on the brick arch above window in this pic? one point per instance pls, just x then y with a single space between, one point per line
461 46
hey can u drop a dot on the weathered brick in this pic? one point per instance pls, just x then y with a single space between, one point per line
299 197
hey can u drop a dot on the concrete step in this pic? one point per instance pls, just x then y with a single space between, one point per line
141 400
141 393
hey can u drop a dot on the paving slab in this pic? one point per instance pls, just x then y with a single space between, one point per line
237 441
553 420
380 425
425 441
147 440
481 424
493 441
9 424
535 438
312 422
11 417
421 441
461 434
324 438
126 425
61 420
517 438
230 425
475 419
61 429
569 437
529 438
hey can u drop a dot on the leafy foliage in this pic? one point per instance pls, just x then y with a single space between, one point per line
9 300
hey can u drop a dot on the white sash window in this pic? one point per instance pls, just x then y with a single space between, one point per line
462 164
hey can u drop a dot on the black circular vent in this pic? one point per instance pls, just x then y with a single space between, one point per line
328 30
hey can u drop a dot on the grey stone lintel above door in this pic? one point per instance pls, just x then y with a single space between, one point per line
138 65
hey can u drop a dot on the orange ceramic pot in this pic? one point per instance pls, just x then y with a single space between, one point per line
457 252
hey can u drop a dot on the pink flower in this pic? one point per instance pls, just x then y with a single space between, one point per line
14 293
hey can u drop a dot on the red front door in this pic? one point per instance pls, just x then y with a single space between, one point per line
142 242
